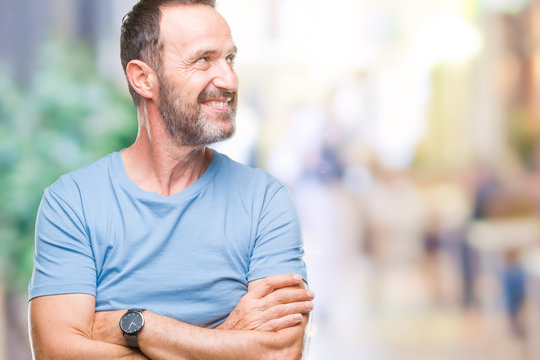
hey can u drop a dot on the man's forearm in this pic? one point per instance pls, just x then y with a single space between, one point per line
263 325
166 338
74 347
61 328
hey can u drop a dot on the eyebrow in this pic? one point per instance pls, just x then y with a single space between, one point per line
233 51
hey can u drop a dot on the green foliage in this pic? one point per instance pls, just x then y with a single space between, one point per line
68 117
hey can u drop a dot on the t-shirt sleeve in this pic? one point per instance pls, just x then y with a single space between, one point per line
63 261
278 247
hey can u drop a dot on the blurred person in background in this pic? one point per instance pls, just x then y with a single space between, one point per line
168 249
513 285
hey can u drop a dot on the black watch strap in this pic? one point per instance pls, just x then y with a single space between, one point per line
131 340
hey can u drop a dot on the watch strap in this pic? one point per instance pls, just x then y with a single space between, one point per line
131 340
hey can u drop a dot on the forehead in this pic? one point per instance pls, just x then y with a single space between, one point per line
191 27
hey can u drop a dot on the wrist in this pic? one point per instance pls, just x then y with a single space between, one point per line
131 324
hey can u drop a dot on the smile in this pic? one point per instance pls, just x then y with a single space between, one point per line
222 105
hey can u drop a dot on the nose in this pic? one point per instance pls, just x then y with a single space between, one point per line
225 77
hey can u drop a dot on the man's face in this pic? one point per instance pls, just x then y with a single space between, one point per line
197 82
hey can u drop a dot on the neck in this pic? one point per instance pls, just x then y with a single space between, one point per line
155 162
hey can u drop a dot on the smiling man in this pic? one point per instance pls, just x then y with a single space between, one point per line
168 249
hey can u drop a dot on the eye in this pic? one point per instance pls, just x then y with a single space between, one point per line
230 59
202 60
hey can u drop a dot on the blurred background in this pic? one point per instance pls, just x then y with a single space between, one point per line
407 131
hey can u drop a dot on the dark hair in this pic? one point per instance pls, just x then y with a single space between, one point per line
139 37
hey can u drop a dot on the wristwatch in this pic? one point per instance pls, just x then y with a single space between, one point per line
131 324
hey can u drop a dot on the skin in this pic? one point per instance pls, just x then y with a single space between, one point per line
269 321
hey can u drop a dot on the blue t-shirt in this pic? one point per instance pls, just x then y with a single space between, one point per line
189 256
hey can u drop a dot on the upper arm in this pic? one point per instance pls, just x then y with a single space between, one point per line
278 246
58 323
63 257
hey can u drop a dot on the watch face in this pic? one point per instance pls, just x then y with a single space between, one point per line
131 322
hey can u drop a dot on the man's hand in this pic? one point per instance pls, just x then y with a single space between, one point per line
271 304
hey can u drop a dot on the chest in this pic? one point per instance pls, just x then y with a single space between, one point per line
188 261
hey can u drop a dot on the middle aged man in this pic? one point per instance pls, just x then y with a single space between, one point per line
191 253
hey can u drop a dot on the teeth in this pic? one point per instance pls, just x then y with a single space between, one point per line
218 103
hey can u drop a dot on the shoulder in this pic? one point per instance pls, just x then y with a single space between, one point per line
88 177
234 174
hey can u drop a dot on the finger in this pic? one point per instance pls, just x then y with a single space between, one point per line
282 323
279 311
261 287
287 296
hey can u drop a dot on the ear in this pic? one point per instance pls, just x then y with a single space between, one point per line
142 78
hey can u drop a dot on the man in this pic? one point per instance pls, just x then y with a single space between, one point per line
192 254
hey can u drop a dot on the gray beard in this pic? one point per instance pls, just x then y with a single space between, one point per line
187 125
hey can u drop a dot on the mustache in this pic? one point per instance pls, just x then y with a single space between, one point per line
216 93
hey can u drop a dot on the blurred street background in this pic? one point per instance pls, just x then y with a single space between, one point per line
407 131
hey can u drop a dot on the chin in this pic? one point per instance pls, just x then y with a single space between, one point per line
224 135
224 126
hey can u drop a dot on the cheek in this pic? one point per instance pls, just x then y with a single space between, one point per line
193 84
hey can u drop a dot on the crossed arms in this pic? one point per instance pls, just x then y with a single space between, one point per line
268 323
